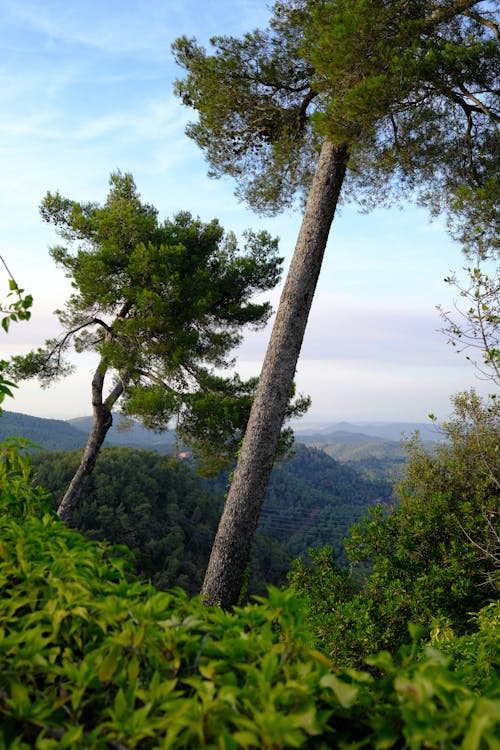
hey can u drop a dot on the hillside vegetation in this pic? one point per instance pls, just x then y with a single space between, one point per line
50 434
433 558
374 449
168 515
57 434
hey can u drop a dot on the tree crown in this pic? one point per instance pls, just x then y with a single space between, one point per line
162 303
410 86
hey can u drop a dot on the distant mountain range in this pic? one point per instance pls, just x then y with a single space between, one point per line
130 433
381 430
371 447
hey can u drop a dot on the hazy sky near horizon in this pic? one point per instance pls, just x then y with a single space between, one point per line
87 88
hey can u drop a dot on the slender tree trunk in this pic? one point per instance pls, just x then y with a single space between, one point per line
231 550
102 421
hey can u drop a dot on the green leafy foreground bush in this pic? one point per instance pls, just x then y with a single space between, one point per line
90 659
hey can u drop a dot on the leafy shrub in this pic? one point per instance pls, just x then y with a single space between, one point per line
89 659
433 558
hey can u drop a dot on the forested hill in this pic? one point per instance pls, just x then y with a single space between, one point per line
313 500
168 515
372 449
57 434
50 434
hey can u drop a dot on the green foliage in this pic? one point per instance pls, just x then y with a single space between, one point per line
19 309
477 651
475 218
163 305
89 659
434 557
252 97
340 618
13 311
411 87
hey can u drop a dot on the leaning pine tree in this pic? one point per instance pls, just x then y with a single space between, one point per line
162 304
362 97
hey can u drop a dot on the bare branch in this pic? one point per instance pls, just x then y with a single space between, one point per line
490 552
495 27
480 324
481 107
6 268
444 13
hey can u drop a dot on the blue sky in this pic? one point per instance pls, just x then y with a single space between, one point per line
85 89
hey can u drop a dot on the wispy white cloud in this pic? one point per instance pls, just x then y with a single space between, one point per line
124 28
342 330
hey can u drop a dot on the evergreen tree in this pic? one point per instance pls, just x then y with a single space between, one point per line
382 96
162 304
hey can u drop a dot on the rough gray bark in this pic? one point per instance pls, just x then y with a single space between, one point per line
231 550
102 421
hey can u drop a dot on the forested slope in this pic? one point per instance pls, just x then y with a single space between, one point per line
168 515
58 434
313 500
50 434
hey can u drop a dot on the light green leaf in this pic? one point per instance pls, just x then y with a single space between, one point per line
345 694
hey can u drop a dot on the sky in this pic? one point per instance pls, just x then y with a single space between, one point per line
86 88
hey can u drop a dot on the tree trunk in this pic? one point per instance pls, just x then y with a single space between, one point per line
231 550
103 420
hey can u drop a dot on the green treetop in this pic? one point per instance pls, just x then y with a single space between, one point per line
410 86
162 304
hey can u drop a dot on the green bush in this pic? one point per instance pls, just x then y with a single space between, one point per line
431 560
91 659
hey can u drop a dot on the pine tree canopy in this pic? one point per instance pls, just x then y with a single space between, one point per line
411 86
163 304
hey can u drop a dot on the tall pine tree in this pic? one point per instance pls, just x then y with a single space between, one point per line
362 97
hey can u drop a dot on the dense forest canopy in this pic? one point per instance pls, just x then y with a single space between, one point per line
167 515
